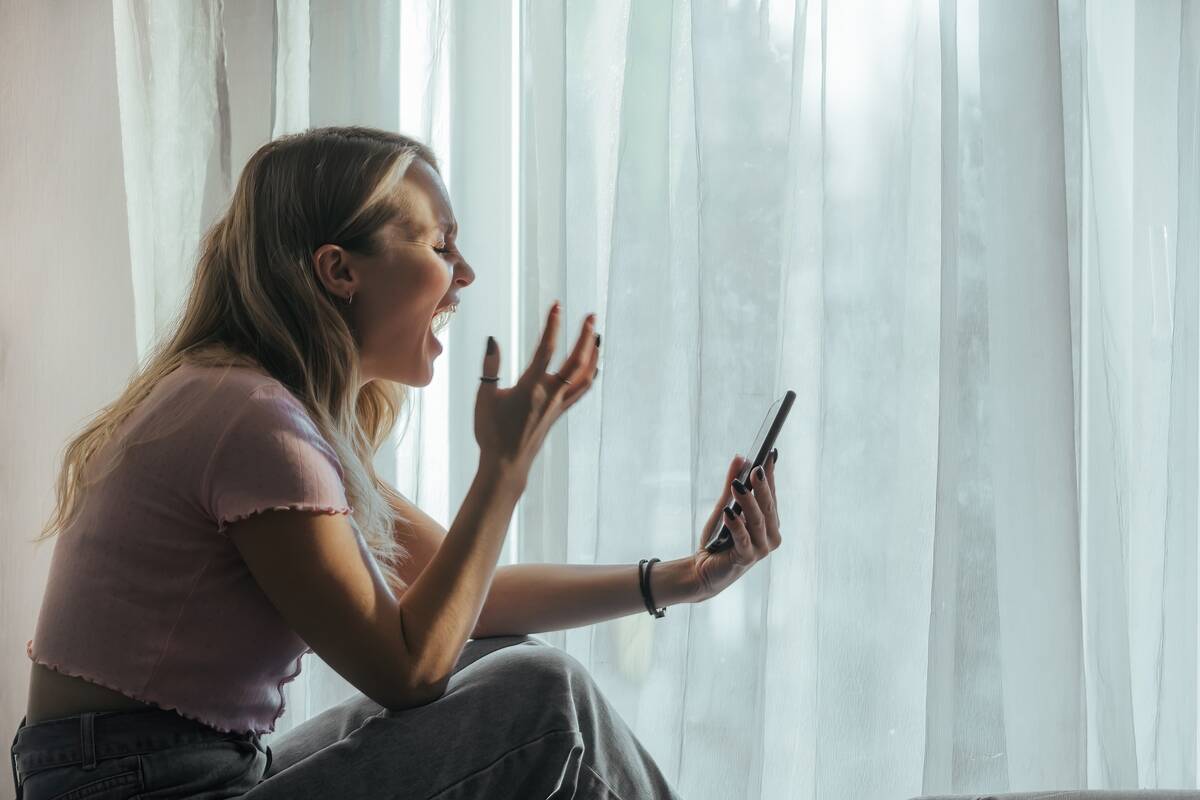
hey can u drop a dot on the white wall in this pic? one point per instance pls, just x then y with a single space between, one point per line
66 309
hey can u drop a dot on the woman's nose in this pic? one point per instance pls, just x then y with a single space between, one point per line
465 275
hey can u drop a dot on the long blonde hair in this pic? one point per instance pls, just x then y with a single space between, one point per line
256 301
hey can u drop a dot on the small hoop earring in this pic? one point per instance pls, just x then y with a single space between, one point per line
350 298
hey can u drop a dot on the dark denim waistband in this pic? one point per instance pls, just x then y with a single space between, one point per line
93 735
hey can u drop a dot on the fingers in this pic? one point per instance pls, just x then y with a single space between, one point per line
491 365
763 497
773 534
756 520
580 366
771 459
545 349
743 545
764 490
582 353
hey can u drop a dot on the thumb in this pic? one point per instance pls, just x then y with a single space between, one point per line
723 500
735 466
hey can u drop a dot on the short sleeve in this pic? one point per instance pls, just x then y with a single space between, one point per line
272 456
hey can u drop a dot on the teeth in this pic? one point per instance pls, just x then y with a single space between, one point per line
442 316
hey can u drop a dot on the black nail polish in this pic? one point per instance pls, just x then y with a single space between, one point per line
738 486
759 474
774 455
597 341
729 512
491 345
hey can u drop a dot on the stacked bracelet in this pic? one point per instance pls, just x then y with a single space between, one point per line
644 580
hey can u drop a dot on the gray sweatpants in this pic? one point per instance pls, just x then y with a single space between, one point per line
519 719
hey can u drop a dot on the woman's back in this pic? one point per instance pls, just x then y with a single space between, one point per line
54 695
147 597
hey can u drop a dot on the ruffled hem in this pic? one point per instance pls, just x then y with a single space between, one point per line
223 524
144 699
284 681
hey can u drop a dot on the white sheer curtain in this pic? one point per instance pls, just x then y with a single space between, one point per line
964 232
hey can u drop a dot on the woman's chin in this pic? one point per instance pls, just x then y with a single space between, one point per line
434 347
434 343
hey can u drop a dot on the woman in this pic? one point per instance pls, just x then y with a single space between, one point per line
223 519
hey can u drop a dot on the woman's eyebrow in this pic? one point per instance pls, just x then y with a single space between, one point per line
441 226
437 227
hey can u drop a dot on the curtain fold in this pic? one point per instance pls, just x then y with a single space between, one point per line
965 232
1030 396
175 143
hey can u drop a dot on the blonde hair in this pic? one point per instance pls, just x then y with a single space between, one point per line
255 301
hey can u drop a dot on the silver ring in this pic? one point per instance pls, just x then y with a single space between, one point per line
561 378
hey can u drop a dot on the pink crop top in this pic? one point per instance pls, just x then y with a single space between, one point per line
147 594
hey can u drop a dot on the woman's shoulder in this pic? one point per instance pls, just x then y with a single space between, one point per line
191 408
223 387
235 375
243 398
208 398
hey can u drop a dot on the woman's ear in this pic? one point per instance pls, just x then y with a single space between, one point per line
331 265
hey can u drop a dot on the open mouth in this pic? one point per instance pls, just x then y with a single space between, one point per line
441 317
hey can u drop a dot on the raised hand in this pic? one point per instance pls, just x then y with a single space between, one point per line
511 423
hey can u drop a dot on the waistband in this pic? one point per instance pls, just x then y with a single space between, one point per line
93 735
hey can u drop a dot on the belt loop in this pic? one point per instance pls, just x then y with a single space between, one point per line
16 777
13 752
87 732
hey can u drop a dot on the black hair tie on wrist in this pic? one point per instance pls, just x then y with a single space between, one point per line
644 581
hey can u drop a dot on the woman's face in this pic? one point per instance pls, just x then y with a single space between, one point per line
415 275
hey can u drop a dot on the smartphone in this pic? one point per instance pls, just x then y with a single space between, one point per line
721 537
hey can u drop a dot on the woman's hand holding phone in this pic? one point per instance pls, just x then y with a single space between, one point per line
755 530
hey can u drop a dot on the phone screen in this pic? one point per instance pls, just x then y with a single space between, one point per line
721 537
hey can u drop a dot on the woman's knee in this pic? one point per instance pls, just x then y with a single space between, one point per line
512 670
476 649
541 667
538 678
510 696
